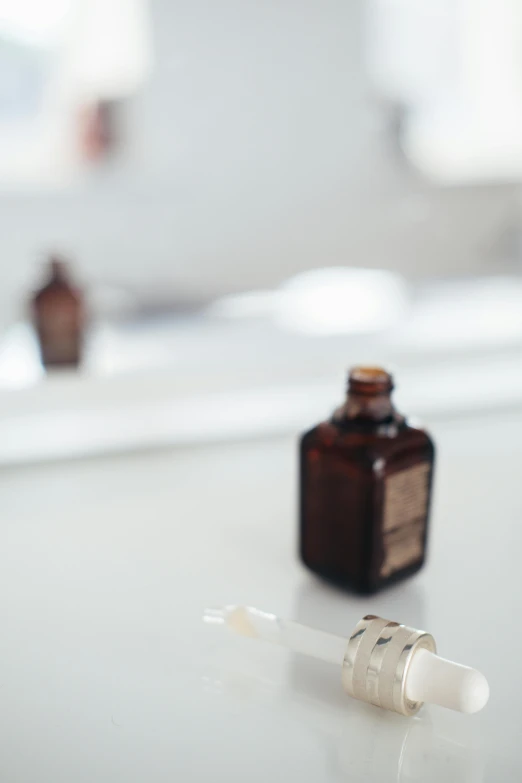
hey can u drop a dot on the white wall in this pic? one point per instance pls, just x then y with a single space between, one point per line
256 150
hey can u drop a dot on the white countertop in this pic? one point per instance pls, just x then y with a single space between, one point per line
108 673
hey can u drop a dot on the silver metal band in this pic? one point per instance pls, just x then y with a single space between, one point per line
376 663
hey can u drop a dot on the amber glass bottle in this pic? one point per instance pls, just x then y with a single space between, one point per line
58 314
365 487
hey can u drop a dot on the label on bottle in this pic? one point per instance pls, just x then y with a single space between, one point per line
406 496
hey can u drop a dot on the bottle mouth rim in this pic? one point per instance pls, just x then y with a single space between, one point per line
370 380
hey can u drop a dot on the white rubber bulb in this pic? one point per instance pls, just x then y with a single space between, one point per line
439 681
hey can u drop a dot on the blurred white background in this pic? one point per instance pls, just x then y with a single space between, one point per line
256 140
256 195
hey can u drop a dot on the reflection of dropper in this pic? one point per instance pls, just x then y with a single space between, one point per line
383 663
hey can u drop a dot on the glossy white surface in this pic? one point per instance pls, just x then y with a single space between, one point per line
107 671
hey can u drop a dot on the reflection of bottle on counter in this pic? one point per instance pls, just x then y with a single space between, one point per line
58 312
365 489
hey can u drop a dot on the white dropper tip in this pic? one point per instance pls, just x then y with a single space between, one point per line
255 624
439 681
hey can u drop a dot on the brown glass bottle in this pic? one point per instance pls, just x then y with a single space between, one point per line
58 315
365 486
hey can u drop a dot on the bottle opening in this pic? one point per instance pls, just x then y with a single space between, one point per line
369 380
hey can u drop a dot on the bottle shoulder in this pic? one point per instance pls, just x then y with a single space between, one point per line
387 440
53 291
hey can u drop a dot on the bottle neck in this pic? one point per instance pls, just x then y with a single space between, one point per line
369 396
375 408
58 271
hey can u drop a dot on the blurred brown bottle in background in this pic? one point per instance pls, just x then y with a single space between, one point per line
365 486
58 312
